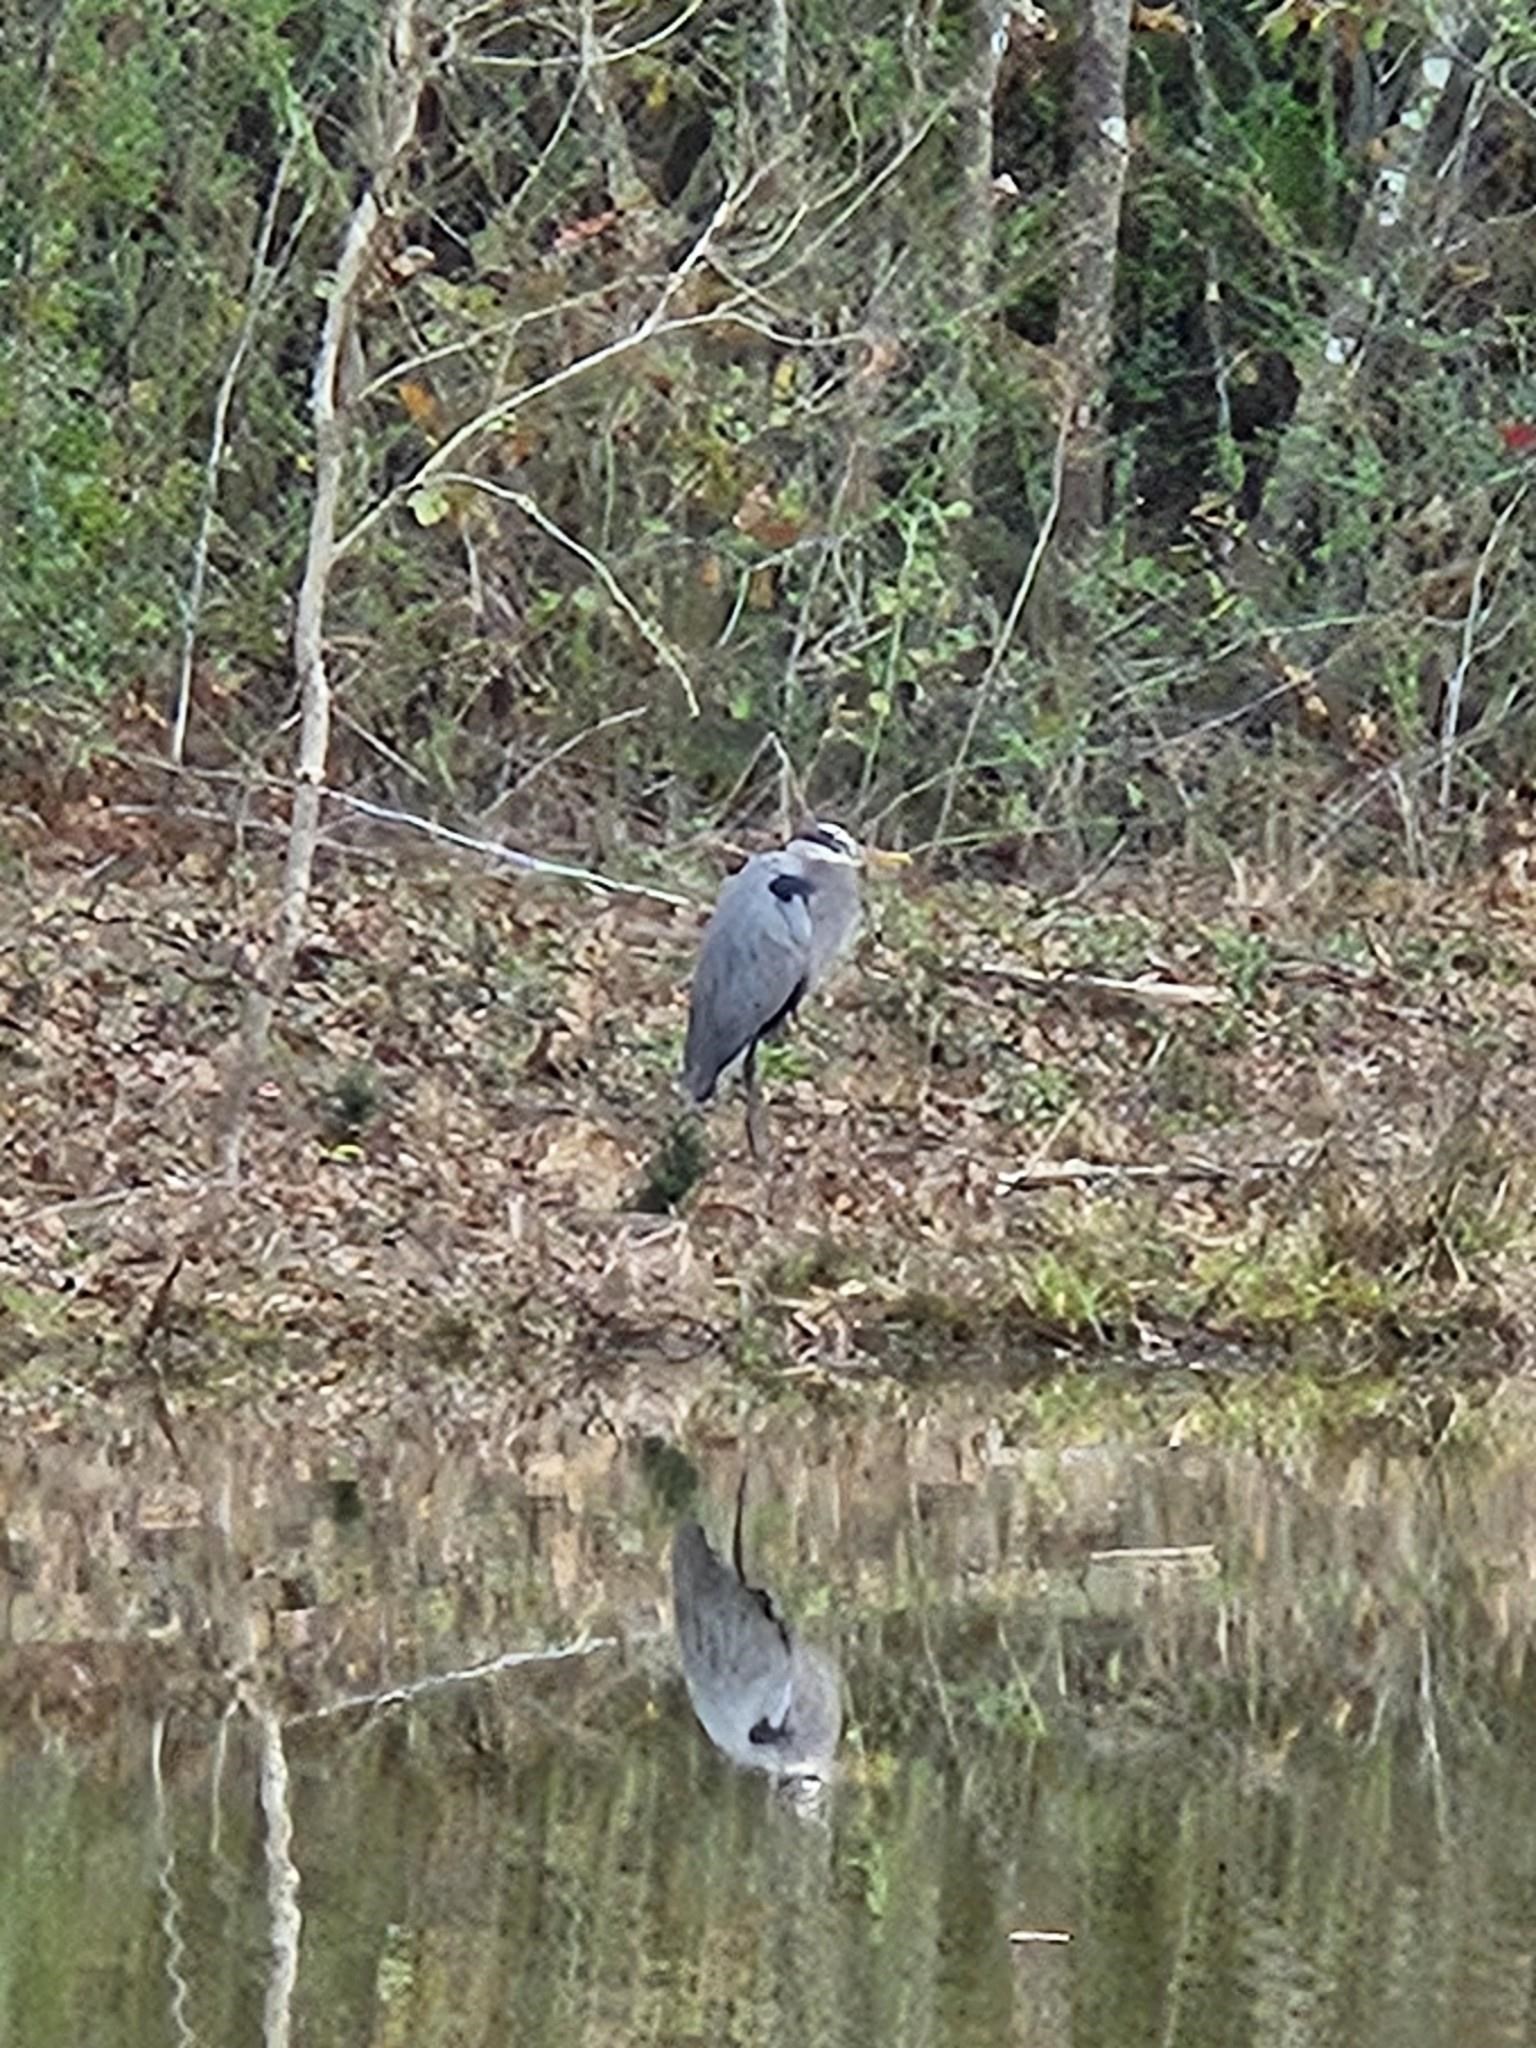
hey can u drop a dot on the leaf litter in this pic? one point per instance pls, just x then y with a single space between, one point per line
472 1076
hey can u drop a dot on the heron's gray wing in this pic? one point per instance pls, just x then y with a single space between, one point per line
737 1659
753 963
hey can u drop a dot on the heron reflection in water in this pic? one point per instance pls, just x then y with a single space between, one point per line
767 1700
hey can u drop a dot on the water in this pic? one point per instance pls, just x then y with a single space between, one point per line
1258 1734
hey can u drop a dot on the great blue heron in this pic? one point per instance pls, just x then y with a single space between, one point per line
767 1700
780 924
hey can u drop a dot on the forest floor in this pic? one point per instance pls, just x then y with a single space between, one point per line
1163 1120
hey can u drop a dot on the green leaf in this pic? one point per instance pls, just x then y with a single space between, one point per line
430 505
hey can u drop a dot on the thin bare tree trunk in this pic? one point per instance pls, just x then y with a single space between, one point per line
1396 230
1091 216
287 1920
397 90
625 187
770 91
974 218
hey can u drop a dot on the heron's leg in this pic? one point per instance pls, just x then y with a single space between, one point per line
755 1143
741 1503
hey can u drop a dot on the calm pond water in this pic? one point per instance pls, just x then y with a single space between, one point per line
1258 1734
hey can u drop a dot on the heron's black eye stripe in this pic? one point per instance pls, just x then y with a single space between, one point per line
818 836
788 887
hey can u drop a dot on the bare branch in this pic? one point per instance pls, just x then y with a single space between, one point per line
649 632
502 410
508 856
420 1688
656 325
1475 614
1015 612
505 856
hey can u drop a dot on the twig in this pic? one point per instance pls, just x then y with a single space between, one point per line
1170 1173
82 1205
730 205
651 633
793 808
384 751
1201 1556
646 42
731 314
500 410
402 1695
153 1323
1026 584
566 746
1417 764
1469 625
864 191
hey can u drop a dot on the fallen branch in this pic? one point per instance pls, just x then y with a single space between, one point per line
1106 1172
509 856
1187 1556
506 856
1144 988
402 1695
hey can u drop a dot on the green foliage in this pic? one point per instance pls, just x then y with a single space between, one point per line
130 197
823 485
680 1163
351 1105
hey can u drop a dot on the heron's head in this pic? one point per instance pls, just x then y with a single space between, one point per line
820 840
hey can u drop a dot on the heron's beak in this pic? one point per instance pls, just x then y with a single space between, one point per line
885 857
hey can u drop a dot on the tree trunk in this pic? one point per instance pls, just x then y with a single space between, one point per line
974 217
396 95
1401 224
1091 222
